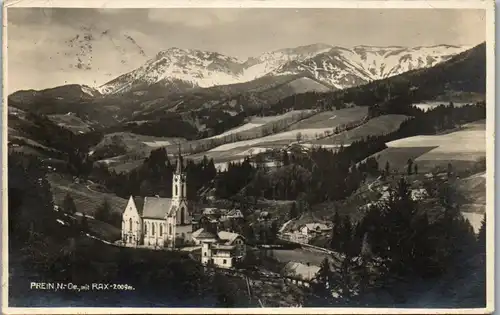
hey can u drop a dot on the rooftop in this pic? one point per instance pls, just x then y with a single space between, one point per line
300 270
229 237
202 234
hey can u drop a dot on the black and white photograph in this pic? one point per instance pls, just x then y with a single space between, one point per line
248 157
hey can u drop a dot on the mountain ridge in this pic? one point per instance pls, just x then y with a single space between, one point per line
335 66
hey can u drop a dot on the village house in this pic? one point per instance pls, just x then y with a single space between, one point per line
156 222
234 214
222 249
295 236
305 233
314 229
207 222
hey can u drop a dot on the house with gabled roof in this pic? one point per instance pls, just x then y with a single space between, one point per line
158 222
222 249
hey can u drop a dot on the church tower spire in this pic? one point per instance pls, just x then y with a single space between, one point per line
179 180
180 167
179 193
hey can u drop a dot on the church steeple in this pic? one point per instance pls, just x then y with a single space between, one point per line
179 192
180 167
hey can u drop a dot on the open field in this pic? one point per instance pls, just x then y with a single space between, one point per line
241 128
308 128
462 148
287 137
377 126
71 122
251 128
472 193
30 147
398 157
124 167
461 145
332 119
104 230
232 150
135 142
86 200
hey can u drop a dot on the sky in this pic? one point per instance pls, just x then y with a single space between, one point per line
43 51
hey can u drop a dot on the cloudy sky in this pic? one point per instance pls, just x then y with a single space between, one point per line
51 47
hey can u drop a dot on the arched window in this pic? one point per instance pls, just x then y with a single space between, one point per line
130 224
161 229
182 190
153 229
176 190
145 228
170 229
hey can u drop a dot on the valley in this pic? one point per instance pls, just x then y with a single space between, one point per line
320 143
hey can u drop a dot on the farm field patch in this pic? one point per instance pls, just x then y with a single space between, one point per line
468 145
307 129
86 200
377 126
71 122
255 122
462 148
282 138
332 119
241 128
398 157
135 141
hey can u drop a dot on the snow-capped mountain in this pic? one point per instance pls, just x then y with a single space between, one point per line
87 55
334 66
194 67
341 68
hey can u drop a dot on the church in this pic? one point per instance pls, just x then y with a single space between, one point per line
156 222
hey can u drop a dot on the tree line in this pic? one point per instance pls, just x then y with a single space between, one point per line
154 176
396 242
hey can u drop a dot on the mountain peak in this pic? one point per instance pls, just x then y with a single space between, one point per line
334 66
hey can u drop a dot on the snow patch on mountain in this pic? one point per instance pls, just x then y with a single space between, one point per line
337 67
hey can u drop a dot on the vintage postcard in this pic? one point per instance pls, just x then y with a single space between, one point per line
248 157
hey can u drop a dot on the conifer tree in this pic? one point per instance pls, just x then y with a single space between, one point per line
336 230
322 285
481 236
103 211
409 163
69 204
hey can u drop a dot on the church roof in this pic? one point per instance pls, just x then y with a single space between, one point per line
139 204
156 208
171 212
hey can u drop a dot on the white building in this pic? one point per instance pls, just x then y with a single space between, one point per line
296 237
232 215
158 222
310 229
221 250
